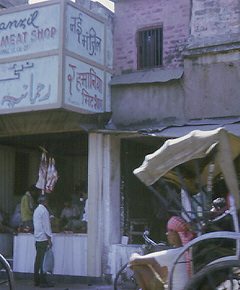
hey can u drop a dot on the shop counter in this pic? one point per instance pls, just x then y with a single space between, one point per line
6 244
70 254
119 254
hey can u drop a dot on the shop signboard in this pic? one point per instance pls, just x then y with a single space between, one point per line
53 55
28 83
29 31
84 35
84 86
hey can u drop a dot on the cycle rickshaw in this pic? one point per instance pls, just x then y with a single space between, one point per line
194 164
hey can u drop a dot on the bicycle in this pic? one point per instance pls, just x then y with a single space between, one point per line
6 274
125 277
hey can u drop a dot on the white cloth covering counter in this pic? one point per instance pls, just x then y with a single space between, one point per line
70 254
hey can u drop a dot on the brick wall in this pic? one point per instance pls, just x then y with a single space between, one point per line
131 15
215 17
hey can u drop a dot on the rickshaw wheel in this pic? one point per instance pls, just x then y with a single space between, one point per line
220 275
125 279
6 274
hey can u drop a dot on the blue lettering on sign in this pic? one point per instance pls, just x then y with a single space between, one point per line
21 23
89 40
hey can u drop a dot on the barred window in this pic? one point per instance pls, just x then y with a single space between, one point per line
150 43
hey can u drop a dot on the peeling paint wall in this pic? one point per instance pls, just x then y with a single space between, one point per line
212 88
138 103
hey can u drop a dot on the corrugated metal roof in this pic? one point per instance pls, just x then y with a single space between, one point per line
179 131
161 75
171 130
231 124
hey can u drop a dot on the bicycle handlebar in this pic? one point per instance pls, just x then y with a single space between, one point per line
150 241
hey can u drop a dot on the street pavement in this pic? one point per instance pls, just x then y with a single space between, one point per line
29 285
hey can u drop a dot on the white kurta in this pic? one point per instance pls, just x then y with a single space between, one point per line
41 221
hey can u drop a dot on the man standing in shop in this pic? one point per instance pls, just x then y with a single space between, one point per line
42 234
28 205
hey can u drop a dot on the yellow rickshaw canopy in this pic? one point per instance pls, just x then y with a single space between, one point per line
184 150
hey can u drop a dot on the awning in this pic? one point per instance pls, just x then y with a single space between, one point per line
231 124
50 121
155 76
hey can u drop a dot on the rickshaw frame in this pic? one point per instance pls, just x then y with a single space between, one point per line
164 165
7 277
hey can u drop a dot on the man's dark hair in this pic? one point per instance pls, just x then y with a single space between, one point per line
33 188
42 198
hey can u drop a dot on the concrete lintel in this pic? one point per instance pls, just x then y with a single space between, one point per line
212 45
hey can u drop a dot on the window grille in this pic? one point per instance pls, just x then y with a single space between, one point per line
150 43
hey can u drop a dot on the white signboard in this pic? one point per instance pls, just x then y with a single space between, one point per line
84 35
32 50
29 31
29 83
84 86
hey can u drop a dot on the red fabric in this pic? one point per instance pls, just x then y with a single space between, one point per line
178 225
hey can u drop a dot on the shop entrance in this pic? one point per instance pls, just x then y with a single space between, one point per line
140 207
21 155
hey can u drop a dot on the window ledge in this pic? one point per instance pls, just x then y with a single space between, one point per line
156 76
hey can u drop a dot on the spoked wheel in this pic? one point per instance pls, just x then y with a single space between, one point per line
125 279
6 274
221 275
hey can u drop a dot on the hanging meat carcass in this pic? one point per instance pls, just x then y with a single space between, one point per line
52 176
42 174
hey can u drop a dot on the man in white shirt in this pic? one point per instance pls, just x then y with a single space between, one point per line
42 234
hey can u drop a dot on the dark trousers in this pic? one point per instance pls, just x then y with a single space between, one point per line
39 276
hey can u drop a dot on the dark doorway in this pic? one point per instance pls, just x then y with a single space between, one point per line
139 205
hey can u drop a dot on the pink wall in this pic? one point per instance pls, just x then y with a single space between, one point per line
131 15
